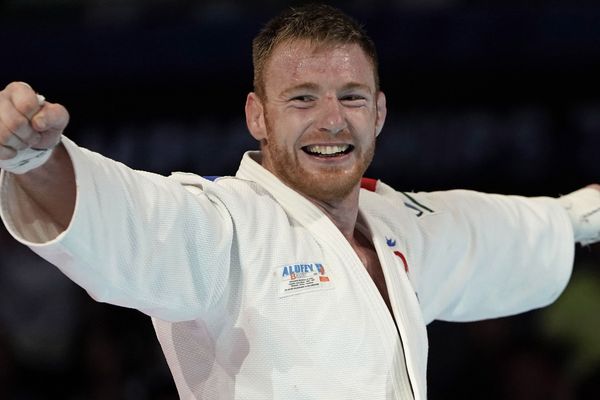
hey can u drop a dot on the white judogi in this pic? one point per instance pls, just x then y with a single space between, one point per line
255 294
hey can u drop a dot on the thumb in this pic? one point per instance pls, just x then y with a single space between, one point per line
50 122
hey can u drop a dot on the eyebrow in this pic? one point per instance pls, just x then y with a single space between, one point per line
356 85
313 87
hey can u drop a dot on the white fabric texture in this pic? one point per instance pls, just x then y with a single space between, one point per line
25 160
211 263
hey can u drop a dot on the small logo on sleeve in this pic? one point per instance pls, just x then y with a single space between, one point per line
418 208
302 278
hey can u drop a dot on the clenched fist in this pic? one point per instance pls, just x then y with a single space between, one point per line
28 123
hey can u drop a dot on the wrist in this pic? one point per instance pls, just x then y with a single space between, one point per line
27 160
583 207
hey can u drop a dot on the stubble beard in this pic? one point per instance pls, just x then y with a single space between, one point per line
329 184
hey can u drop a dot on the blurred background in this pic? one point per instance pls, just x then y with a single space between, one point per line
498 96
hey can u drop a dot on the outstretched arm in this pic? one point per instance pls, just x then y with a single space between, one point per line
134 239
30 132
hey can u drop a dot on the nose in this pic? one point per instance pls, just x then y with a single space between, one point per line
332 119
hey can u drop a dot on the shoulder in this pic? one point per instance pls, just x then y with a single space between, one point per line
375 191
241 199
218 185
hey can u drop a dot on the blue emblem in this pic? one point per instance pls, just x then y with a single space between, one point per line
390 242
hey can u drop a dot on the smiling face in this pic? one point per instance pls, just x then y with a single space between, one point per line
318 121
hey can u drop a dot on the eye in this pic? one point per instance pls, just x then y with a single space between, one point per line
354 100
302 101
303 98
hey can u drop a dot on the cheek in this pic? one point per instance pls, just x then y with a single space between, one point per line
363 122
290 126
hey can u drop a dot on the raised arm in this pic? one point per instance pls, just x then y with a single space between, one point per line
131 238
30 132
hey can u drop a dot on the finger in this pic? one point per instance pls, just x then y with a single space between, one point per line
9 139
24 98
51 121
13 123
6 153
51 116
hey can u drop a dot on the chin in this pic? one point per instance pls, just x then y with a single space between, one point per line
324 184
327 186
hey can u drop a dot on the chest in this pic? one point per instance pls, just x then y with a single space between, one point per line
370 261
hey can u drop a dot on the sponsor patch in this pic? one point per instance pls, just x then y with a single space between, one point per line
302 278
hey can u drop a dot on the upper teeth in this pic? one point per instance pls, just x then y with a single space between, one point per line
328 149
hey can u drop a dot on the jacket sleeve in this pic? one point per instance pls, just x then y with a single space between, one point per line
136 239
485 256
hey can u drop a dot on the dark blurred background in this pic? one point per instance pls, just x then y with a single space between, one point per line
497 96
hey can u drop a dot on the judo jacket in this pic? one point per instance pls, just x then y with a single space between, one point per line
255 294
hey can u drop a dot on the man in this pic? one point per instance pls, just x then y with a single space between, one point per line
289 280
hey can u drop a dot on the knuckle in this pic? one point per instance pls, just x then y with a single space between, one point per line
20 85
26 103
22 97
18 89
13 86
15 122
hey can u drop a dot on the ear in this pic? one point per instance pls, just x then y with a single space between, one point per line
381 113
255 117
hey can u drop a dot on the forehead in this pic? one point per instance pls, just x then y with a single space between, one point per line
300 61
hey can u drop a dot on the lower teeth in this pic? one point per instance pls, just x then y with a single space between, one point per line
327 155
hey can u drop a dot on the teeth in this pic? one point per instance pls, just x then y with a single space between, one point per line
327 150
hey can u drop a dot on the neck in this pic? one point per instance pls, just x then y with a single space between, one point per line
342 212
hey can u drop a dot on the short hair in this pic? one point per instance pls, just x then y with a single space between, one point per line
318 23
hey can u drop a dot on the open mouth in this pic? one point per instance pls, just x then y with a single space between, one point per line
328 151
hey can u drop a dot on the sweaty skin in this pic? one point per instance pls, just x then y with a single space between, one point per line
320 99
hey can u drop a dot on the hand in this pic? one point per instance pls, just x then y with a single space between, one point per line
25 122
594 186
583 208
